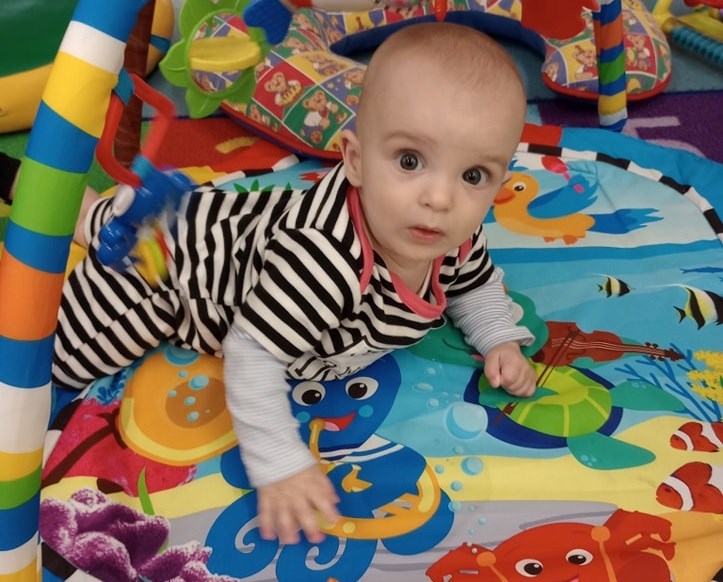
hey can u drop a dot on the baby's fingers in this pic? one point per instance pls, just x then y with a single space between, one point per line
309 524
326 505
492 371
522 390
286 519
287 525
520 382
307 510
278 517
297 503
267 521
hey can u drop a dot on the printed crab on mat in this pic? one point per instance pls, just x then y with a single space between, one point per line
618 550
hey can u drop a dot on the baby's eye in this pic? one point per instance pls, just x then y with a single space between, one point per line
409 161
474 176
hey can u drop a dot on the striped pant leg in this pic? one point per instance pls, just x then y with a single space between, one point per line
107 319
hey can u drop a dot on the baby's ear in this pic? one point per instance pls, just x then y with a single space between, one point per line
351 152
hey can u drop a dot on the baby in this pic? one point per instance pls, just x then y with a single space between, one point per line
317 285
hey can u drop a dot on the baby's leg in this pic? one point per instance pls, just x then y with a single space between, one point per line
90 197
97 338
107 319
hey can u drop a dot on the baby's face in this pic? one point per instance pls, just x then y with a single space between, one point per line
432 157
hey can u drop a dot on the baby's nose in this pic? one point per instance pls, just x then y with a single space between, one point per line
438 194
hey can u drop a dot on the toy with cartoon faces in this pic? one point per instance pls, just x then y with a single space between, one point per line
313 46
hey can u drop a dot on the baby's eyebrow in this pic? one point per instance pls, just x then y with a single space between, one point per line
493 159
404 135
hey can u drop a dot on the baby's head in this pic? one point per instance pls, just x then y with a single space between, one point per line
441 113
452 56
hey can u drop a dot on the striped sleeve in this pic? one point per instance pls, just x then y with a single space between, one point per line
474 269
257 398
306 285
486 316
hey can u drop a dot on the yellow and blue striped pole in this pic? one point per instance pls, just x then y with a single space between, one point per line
37 241
612 90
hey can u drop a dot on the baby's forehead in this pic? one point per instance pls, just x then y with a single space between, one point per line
464 71
469 136
395 87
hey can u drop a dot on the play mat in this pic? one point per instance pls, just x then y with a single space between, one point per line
612 472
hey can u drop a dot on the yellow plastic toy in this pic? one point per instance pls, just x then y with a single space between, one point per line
31 33
700 30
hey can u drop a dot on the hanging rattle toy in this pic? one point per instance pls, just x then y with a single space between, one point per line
133 237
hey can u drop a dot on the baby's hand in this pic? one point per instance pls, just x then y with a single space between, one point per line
289 505
505 366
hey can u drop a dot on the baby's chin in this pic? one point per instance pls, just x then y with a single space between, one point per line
422 250
425 256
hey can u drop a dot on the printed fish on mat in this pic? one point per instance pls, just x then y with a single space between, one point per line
695 486
703 270
698 436
614 287
703 307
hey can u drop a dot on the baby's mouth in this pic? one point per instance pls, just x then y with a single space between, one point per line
337 423
425 233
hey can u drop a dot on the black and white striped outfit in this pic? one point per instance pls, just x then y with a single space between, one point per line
290 270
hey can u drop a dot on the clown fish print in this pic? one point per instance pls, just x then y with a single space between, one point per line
703 307
614 287
698 436
693 487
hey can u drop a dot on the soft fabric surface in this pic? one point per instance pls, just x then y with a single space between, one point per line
613 471
679 120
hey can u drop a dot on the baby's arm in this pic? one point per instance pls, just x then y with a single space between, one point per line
291 487
485 316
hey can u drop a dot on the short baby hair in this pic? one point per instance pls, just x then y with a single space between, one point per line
459 53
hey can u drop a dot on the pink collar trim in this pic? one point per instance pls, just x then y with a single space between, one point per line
354 207
410 298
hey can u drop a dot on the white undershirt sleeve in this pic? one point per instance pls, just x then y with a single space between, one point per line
256 397
486 317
